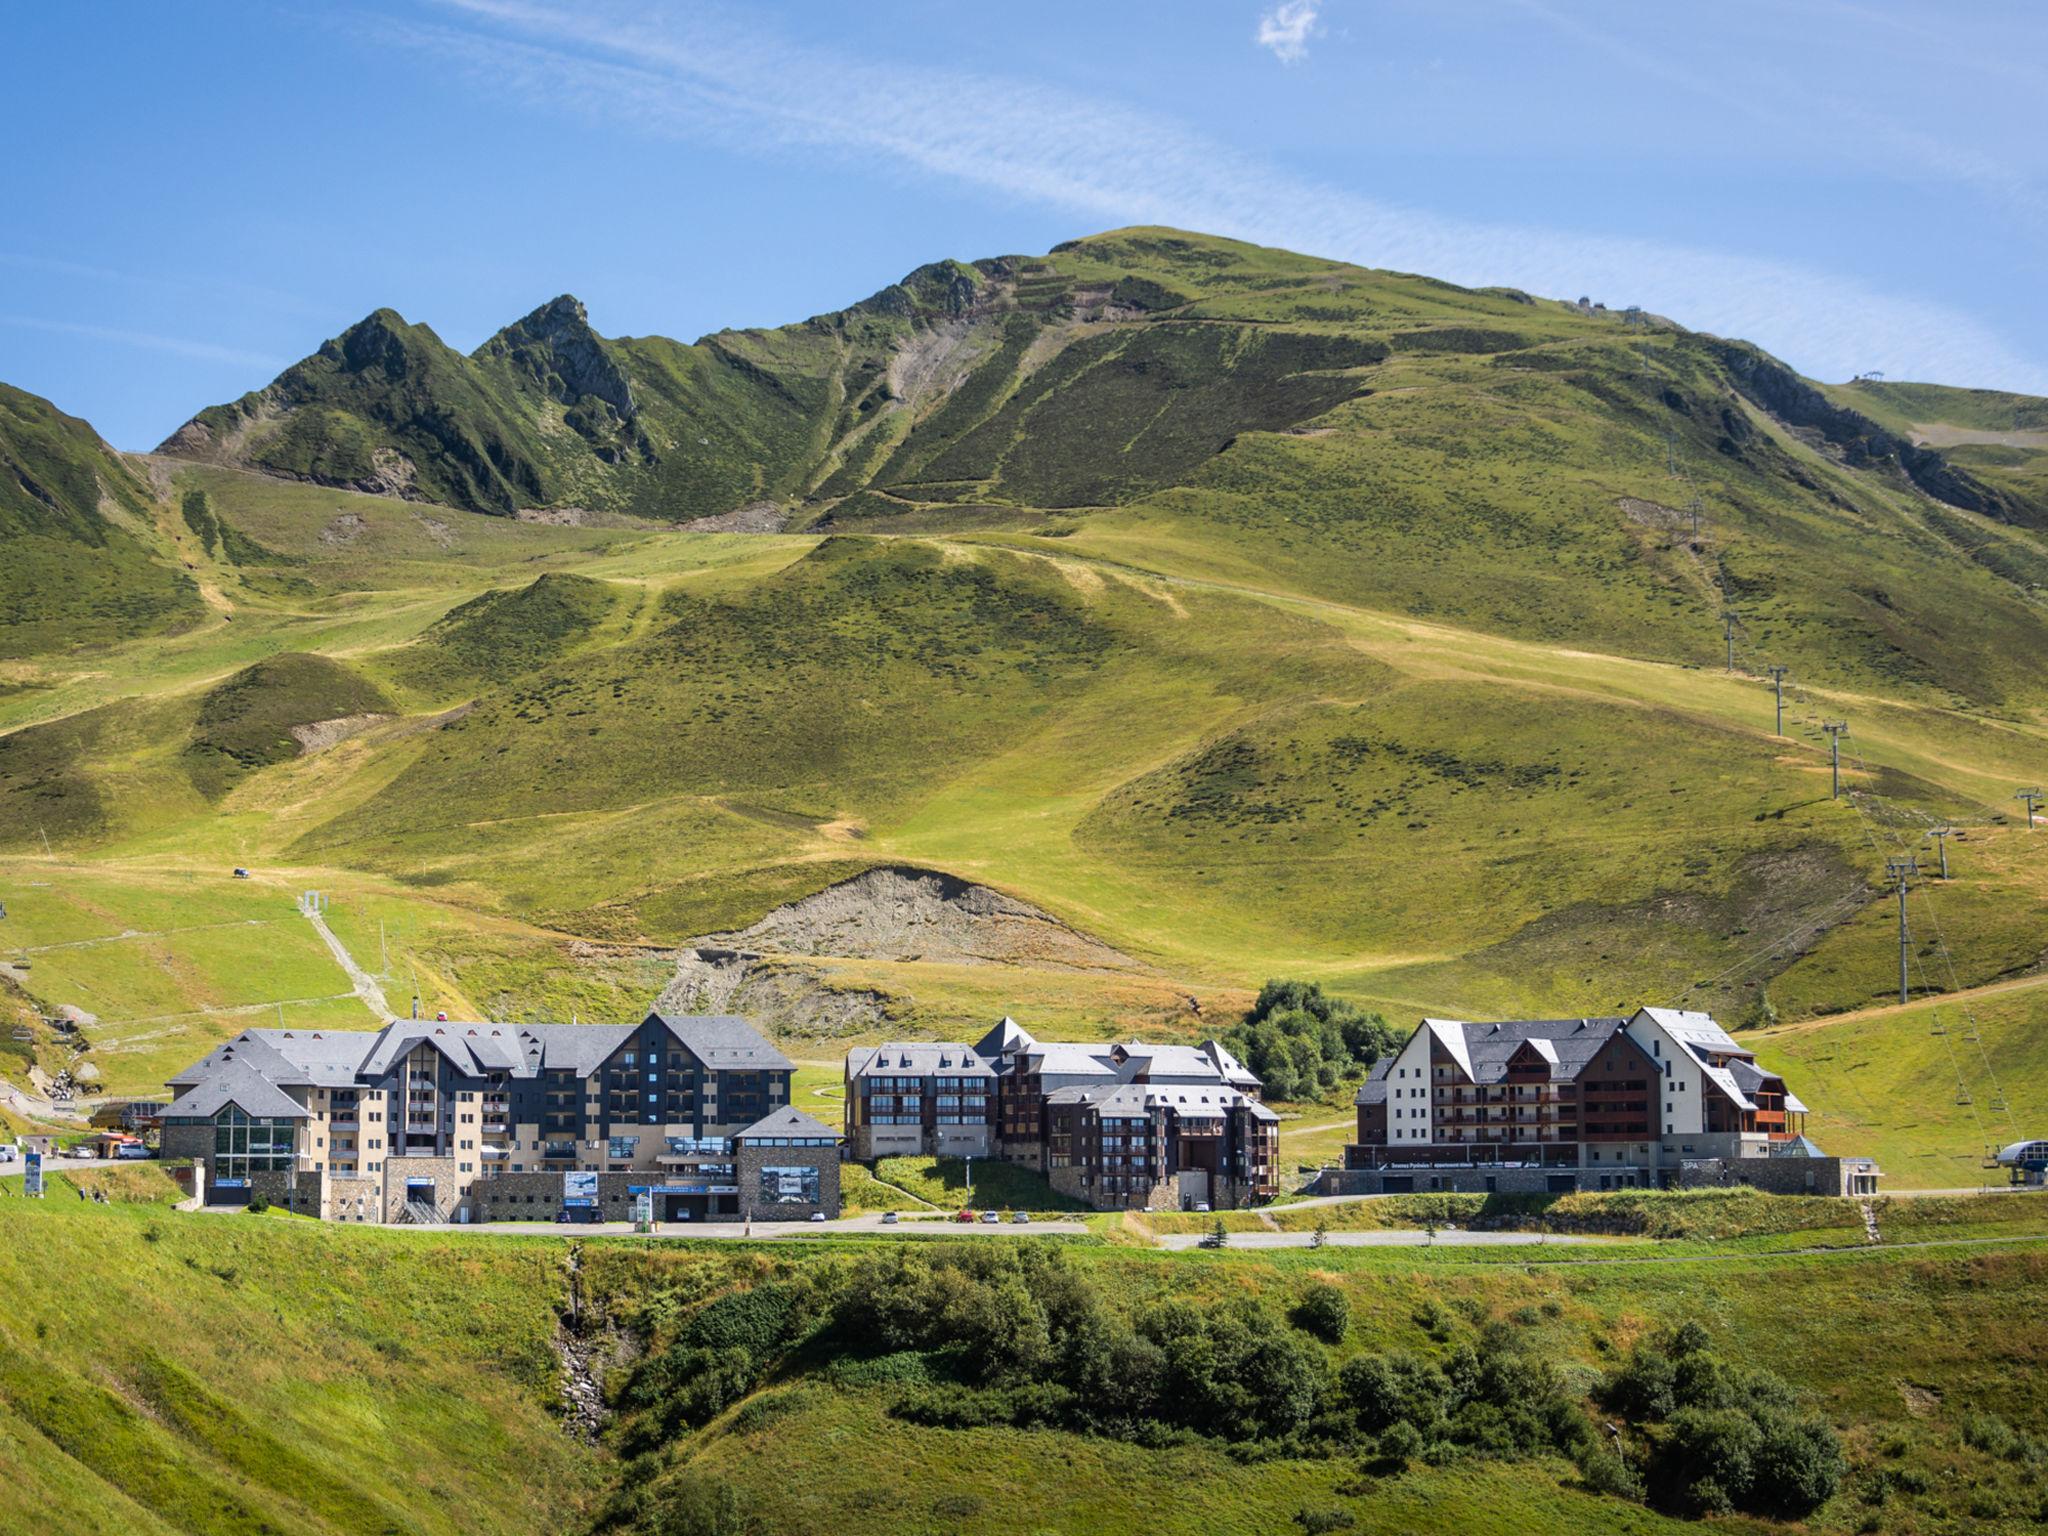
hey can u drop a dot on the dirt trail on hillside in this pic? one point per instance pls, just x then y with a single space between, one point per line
364 983
1886 1010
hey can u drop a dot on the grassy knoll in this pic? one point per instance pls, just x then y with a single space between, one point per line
942 1182
163 1374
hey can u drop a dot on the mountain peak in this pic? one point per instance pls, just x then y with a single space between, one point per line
555 346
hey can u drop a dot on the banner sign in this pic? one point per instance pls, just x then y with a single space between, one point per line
579 1186
32 1174
230 1183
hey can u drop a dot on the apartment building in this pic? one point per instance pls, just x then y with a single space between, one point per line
1662 1098
452 1121
917 1097
1116 1124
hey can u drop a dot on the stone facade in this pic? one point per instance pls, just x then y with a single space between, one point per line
440 1171
753 1159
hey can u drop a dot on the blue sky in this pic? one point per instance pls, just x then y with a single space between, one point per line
198 194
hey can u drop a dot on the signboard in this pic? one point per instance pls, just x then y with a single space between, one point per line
579 1187
32 1174
230 1183
579 1202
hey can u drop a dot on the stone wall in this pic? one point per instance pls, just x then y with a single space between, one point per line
751 1160
354 1197
448 1185
1779 1175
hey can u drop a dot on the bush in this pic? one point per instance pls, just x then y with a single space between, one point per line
258 1205
1385 1390
1324 1312
1799 1465
1707 1462
1400 1443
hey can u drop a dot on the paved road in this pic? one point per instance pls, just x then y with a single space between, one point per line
762 1231
1392 1238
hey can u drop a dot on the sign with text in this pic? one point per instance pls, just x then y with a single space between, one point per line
579 1186
32 1174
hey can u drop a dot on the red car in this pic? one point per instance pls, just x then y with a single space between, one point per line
965 1216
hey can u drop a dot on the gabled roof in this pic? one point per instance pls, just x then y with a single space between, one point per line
1484 1050
238 1083
787 1121
1007 1036
725 1042
1451 1036
1065 1058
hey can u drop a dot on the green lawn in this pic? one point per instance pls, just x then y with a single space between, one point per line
943 1182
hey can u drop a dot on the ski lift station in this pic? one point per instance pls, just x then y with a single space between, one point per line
2026 1162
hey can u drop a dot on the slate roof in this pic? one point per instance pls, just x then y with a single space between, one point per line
1483 1050
787 1121
1138 1098
919 1058
1374 1089
236 1082
344 1058
1007 1036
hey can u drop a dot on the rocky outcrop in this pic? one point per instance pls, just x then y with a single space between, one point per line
1777 390
899 913
556 347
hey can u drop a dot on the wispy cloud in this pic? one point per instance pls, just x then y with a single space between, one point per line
1287 28
201 351
698 79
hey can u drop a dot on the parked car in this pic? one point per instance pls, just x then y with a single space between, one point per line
1202 1205
9 1154
817 1215
132 1151
1021 1219
890 1218
990 1218
81 1150
965 1216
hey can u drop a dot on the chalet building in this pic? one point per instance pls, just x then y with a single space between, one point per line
474 1122
910 1098
1116 1124
1663 1098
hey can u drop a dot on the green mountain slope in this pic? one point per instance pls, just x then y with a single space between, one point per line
77 549
1250 613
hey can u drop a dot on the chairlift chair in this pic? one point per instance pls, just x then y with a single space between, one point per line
1937 1027
1998 1102
1963 1095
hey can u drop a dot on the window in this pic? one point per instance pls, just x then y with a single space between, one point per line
789 1186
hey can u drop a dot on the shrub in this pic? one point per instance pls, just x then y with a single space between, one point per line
1317 1521
1324 1312
1798 1465
1400 1443
258 1205
1385 1390
1706 1464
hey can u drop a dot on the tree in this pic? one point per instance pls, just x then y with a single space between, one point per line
1299 1040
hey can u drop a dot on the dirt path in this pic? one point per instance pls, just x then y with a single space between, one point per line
1888 1010
364 983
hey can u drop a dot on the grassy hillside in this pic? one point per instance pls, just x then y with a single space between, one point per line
232 1373
81 565
1253 614
252 1375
